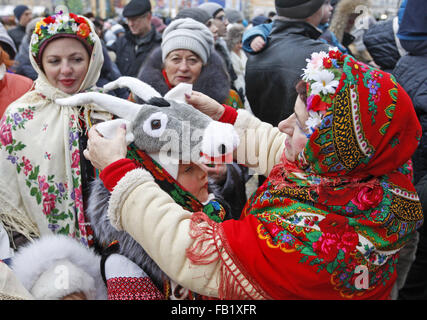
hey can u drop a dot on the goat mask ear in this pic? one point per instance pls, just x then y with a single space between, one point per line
178 93
158 102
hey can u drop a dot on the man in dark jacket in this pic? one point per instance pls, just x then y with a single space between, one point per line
134 47
272 74
23 15
411 73
382 42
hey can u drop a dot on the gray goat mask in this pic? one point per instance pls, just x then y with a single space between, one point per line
165 127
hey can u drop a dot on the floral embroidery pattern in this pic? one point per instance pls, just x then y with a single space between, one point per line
51 195
330 242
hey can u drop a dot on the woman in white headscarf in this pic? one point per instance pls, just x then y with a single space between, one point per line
43 173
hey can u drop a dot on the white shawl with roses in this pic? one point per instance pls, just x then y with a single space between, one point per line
40 180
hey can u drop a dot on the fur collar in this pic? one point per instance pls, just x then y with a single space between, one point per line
213 80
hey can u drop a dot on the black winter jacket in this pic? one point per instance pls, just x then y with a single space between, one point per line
129 55
411 73
17 33
271 75
380 42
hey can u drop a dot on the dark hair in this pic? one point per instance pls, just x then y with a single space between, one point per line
301 89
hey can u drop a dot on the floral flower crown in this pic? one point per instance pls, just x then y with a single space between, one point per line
60 23
322 74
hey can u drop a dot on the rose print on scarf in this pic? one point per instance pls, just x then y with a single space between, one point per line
48 203
13 122
27 165
337 235
77 196
28 114
5 132
368 198
43 186
75 159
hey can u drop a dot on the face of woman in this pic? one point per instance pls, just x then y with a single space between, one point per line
65 62
295 127
213 28
194 179
182 66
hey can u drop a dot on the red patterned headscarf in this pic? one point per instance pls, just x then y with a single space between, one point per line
331 225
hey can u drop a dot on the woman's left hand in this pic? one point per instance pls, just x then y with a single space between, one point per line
205 104
101 152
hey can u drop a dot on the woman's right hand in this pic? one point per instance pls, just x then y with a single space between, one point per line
205 104
101 152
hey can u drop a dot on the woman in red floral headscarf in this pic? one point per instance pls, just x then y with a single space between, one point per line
331 218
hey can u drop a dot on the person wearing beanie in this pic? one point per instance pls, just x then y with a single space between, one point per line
234 16
7 43
195 39
139 40
271 74
190 35
194 13
211 8
218 14
297 9
187 39
201 16
23 15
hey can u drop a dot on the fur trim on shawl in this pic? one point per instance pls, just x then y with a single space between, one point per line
342 13
105 233
213 80
35 266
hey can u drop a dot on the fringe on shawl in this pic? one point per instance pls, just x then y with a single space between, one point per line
5 296
208 248
14 221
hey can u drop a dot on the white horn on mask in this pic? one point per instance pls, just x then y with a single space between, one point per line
120 107
136 86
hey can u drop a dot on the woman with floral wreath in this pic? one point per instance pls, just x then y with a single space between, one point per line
329 221
43 173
